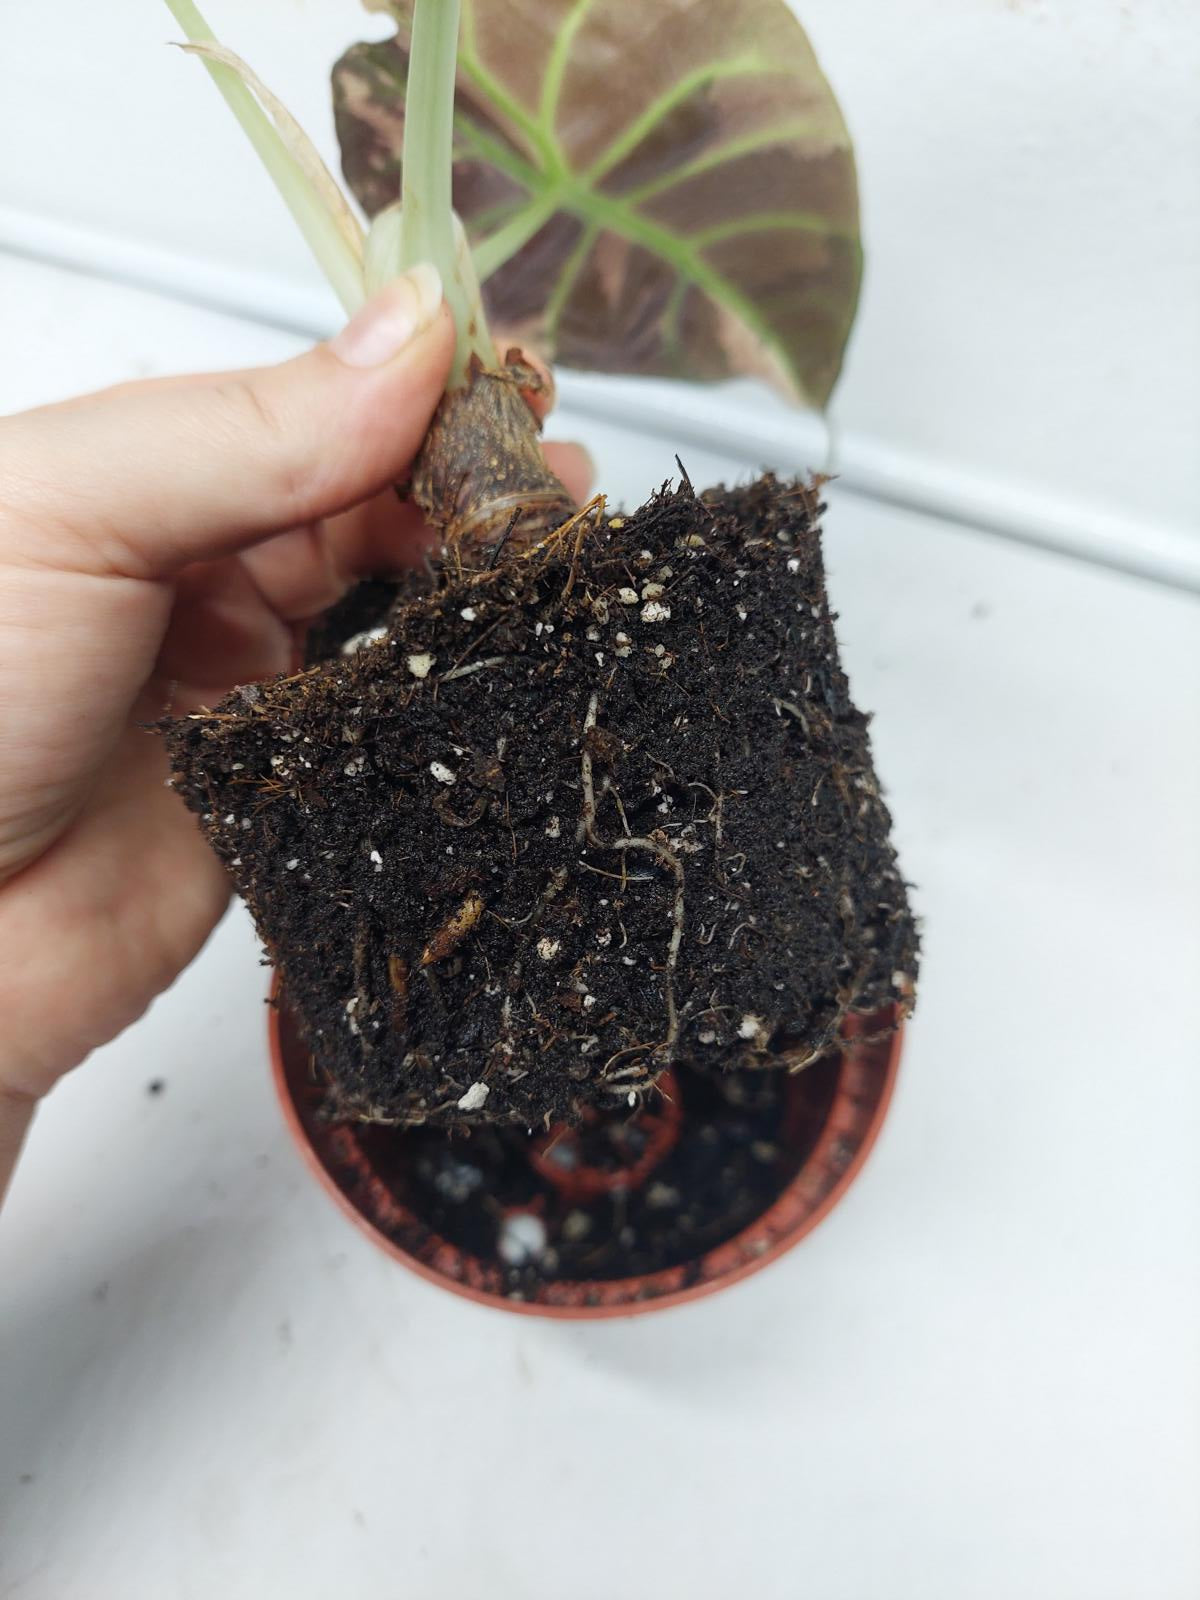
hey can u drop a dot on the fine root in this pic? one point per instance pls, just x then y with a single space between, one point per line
587 819
453 931
485 665
627 841
675 866
580 523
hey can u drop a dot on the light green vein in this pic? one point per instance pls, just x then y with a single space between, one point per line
566 280
501 156
678 254
767 222
732 150
556 67
550 187
683 89
505 103
671 316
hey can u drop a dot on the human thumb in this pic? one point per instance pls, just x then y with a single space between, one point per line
143 481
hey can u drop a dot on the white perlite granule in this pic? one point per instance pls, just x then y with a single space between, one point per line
522 1237
475 1097
358 641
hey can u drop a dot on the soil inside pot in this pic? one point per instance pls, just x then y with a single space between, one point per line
583 814
730 1163
741 1139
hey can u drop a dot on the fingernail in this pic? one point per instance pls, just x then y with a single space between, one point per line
391 319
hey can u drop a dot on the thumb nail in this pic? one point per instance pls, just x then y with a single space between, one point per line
391 319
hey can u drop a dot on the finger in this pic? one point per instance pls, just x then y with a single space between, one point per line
573 467
388 536
541 398
162 478
304 572
159 384
223 629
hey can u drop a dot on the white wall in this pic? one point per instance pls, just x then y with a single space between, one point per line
1031 196
1030 328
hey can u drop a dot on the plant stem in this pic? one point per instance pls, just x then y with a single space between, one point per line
427 229
480 477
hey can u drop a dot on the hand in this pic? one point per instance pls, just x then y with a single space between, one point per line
159 543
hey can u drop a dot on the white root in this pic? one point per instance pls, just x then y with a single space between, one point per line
473 666
587 830
587 821
673 863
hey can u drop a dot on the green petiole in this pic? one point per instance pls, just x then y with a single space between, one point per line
427 223
422 228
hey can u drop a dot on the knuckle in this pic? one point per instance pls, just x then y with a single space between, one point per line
256 420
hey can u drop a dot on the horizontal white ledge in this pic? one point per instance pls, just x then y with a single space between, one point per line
730 424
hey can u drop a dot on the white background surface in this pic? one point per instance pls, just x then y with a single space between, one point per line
1031 193
976 1381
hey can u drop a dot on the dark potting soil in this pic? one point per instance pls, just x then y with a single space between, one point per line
583 814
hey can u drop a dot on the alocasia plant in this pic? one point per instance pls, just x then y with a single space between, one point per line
609 808
660 188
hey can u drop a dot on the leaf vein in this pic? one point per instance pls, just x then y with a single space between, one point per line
699 78
719 156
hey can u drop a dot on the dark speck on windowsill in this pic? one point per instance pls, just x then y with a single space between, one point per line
156 1086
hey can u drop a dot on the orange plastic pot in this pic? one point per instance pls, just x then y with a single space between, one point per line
382 1204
